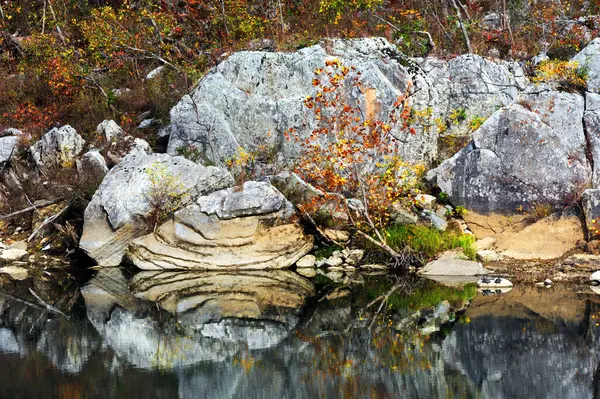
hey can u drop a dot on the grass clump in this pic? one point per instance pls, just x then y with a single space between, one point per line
428 240
423 295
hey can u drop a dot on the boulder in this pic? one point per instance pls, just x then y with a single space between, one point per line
9 139
590 202
92 167
245 228
110 130
530 152
119 207
294 189
57 148
452 264
401 215
16 272
589 58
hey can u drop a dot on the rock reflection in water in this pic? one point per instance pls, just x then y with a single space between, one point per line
247 336
217 313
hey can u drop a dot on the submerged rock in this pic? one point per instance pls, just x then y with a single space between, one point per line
118 209
246 228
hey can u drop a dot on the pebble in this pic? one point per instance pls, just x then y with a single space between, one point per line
307 272
17 273
12 255
334 261
306 261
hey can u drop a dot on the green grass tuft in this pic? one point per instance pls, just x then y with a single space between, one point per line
428 240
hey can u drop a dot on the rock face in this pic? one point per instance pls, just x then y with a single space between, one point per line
530 152
117 211
251 99
58 147
228 229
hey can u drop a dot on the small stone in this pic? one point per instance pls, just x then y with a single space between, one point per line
356 255
435 220
493 282
374 266
358 278
335 269
487 255
426 201
485 243
337 235
307 272
337 254
336 277
334 261
306 261
350 268
12 255
17 273
19 245
403 216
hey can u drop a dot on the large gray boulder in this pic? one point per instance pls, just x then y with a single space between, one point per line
247 228
251 99
57 148
533 151
589 59
120 206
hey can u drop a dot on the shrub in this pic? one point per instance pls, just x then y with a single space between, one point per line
166 194
567 74
354 154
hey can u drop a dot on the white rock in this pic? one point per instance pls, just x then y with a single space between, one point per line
487 255
12 255
110 130
306 262
17 273
595 276
334 261
493 282
307 272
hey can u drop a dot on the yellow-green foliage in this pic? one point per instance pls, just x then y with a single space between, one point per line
556 72
166 194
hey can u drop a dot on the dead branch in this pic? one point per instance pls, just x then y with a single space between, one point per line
47 305
33 207
47 221
419 32
462 26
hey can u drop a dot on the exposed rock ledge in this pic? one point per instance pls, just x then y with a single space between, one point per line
249 229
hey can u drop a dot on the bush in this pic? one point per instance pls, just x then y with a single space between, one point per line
166 194
564 74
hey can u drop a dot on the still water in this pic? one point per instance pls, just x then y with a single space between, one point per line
279 335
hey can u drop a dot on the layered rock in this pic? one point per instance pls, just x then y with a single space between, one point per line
57 148
533 151
257 307
121 204
232 229
251 99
